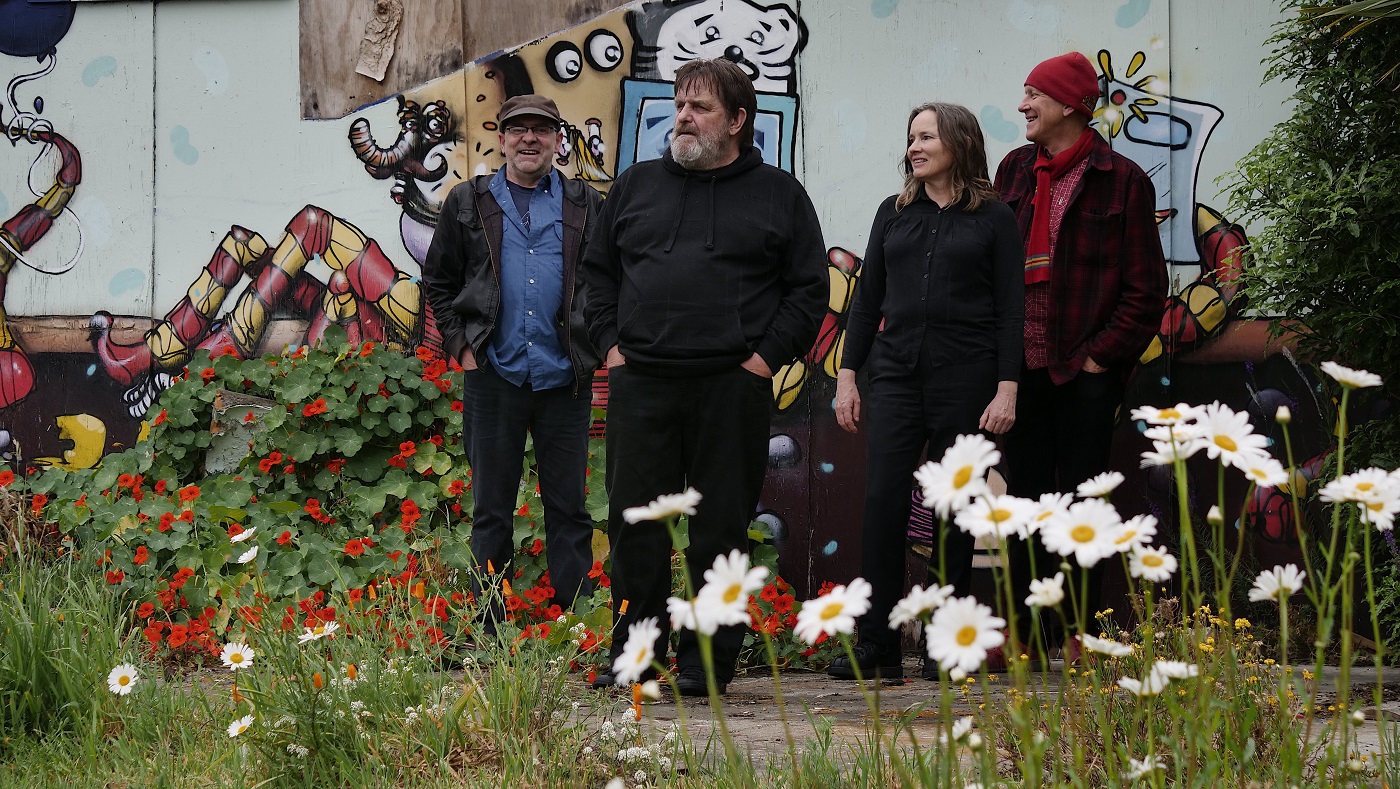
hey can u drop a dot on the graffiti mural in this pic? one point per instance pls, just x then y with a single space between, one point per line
358 199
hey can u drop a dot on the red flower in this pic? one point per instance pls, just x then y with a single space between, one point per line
524 510
125 481
423 353
208 374
250 417
355 595
275 456
354 548
153 631
142 556
146 610
6 478
189 493
457 406
536 547
166 521
456 487
265 465
235 529
284 538
596 570
336 465
37 505
115 577
160 418
161 487
367 349
407 449
315 408
179 634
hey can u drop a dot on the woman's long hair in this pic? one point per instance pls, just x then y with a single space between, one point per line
962 136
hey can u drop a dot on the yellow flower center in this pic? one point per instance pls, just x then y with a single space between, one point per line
967 635
1375 506
1127 536
998 516
1364 486
732 593
641 657
1082 533
1226 443
124 680
319 630
832 610
1169 413
1044 515
1151 560
236 657
963 476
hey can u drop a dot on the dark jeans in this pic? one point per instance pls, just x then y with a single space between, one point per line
664 434
1062 437
499 414
933 406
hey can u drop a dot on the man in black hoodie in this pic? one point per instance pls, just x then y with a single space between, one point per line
706 275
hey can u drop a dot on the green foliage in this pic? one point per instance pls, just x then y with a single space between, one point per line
59 636
1321 194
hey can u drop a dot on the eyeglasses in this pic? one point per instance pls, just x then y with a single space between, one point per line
539 131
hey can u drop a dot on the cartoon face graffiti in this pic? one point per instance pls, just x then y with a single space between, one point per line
762 40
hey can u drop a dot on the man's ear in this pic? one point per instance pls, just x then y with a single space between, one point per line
737 122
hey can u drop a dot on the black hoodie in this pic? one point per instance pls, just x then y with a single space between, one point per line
691 272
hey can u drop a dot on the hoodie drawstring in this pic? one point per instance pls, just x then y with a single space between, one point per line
680 214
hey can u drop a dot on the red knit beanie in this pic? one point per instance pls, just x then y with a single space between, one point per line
1069 79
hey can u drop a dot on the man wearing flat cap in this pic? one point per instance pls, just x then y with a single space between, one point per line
500 276
1096 285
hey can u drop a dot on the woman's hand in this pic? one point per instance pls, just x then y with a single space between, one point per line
1001 412
847 400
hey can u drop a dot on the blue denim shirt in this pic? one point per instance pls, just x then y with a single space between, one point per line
525 346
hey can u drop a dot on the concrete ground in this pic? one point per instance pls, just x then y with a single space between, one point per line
755 721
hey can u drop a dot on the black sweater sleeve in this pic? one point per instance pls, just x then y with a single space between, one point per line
1008 291
600 273
863 321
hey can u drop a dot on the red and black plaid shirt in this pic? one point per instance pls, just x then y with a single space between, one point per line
1108 278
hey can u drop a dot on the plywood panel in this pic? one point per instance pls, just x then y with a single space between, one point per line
429 45
492 26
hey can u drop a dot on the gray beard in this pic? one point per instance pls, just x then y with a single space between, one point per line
700 155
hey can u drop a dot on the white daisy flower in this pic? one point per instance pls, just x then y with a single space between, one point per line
1137 530
244 535
1351 379
1104 646
1176 669
990 515
961 727
122 679
1137 769
239 726
918 602
638 652
1153 685
1088 531
728 586
669 505
1272 584
834 612
961 632
236 656
1264 471
1228 436
1366 485
1099 486
1380 514
248 555
651 689
1152 564
1164 453
320 631
951 482
1171 415
1049 505
1181 434
685 617
1047 592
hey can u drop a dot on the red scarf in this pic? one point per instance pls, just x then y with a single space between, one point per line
1046 171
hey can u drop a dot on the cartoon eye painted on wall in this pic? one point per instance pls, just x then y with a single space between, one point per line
711 34
603 50
564 62
756 37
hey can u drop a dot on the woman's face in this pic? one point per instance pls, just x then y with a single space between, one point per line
929 158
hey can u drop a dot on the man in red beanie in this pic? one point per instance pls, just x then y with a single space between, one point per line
1096 285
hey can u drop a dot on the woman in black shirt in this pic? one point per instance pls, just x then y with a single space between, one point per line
937 321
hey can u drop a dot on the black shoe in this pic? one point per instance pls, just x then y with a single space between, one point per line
605 680
690 681
930 669
872 661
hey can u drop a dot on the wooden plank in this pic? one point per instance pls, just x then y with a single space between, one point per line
428 46
492 26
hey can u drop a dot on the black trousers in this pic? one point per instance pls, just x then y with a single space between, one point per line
498 415
664 434
930 406
1062 437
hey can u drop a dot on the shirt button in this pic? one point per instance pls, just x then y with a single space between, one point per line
529 312
532 282
532 252
530 344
